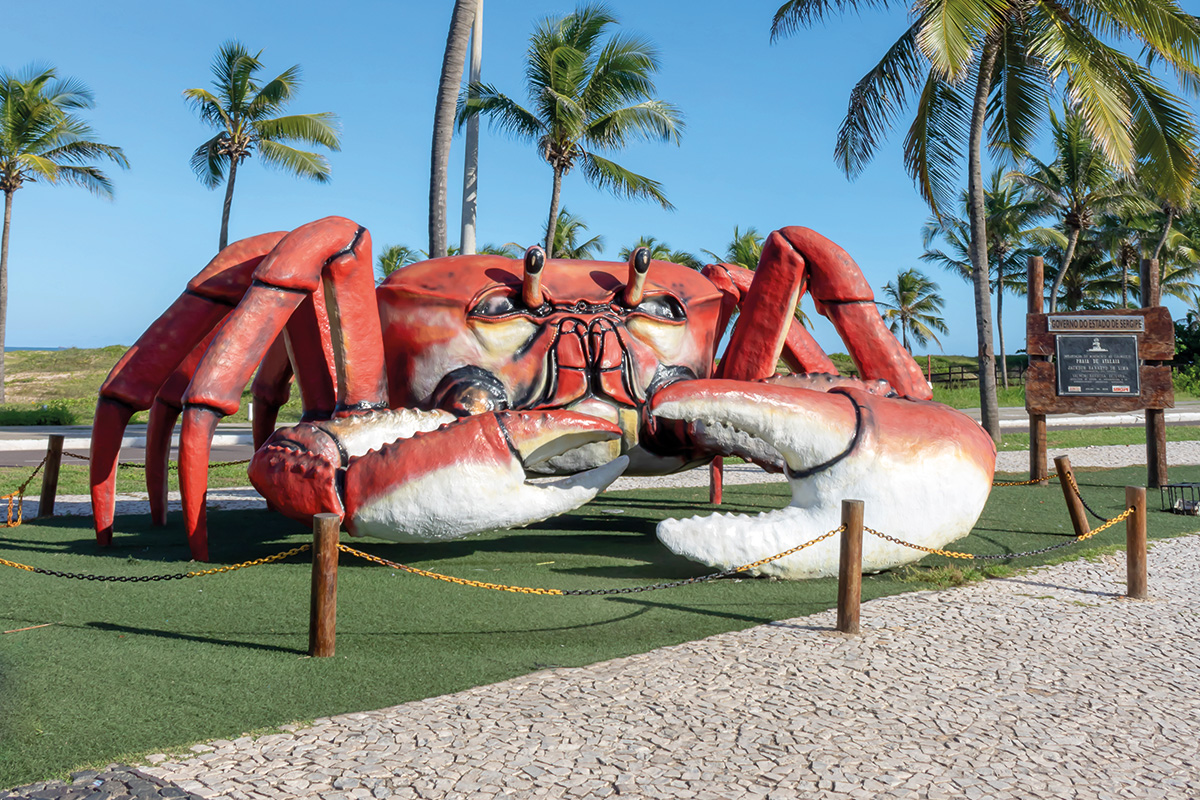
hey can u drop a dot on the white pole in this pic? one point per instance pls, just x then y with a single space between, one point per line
471 164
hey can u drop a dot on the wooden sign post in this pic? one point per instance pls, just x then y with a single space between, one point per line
1091 362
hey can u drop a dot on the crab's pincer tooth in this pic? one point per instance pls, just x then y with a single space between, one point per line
469 476
539 436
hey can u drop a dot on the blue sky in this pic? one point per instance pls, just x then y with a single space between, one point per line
757 151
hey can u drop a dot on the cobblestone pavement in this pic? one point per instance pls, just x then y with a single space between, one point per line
1047 685
117 782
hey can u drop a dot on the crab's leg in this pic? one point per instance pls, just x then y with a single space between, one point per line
136 379
793 257
168 404
800 350
327 262
271 389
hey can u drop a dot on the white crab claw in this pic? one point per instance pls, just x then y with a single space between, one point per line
923 470
469 476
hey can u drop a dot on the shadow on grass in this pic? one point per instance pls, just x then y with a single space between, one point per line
224 640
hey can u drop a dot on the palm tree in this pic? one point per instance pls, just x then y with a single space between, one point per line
43 140
245 114
461 20
588 95
913 308
1076 186
974 65
566 238
1011 231
392 257
744 249
661 251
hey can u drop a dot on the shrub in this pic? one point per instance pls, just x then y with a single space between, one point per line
56 412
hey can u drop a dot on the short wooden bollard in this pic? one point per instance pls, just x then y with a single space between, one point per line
322 616
54 450
716 480
1074 504
1135 542
850 567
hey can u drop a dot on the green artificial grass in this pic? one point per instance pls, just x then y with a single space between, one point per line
126 669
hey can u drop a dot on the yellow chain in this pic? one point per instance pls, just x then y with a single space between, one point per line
25 567
798 548
500 587
953 554
922 548
1107 524
1026 483
254 563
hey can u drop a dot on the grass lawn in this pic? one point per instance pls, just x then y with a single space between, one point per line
127 669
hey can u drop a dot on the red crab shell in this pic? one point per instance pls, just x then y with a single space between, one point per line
583 349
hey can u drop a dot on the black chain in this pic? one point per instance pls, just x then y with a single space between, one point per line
652 587
1002 556
115 578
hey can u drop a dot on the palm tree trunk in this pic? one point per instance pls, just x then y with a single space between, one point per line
1072 240
1000 322
443 121
988 405
1166 232
8 196
233 162
552 226
1124 281
466 242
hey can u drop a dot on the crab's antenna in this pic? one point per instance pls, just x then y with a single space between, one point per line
639 265
531 289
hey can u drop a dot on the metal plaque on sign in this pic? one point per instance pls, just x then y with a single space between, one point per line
1105 366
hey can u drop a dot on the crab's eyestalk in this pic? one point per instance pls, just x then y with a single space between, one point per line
531 289
639 265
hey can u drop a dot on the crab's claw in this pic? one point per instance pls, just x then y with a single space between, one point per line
427 475
923 470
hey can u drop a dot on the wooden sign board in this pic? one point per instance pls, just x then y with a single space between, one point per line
1104 361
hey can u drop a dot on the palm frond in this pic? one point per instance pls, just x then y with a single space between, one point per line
87 177
501 111
209 162
650 119
209 108
953 30
622 72
796 14
319 129
1020 94
876 100
298 162
622 182
275 94
932 149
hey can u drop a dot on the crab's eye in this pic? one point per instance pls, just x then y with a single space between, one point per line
494 305
663 306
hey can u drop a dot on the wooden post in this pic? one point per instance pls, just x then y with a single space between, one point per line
716 480
1135 542
54 450
929 368
1074 504
1156 422
850 567
322 615
1037 422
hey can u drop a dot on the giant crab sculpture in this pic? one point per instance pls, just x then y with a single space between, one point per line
430 400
